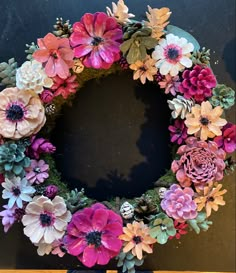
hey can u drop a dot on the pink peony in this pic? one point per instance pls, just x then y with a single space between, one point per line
47 96
37 172
178 203
178 132
96 39
197 83
55 54
8 218
200 162
64 87
92 235
227 140
40 146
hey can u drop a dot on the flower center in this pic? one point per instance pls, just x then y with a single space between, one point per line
96 41
16 191
45 219
37 170
94 238
143 68
15 113
204 121
54 55
211 199
178 131
173 53
163 227
137 239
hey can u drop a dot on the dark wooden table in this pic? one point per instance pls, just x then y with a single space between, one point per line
119 144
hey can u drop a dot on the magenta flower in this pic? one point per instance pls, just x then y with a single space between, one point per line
178 203
37 172
92 235
96 39
55 54
170 84
227 140
178 132
2 179
8 217
197 83
40 146
46 96
64 87
51 191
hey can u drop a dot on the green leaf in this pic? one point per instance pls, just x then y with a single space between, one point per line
155 231
162 238
139 262
120 263
125 46
182 33
171 231
134 54
149 42
129 264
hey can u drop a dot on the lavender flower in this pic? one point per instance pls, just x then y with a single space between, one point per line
8 217
38 172
39 146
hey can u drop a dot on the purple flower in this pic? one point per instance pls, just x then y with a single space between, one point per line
8 217
51 191
39 146
47 96
178 203
178 132
227 141
37 172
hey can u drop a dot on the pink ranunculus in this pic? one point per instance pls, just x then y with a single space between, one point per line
96 39
55 54
227 140
92 235
178 132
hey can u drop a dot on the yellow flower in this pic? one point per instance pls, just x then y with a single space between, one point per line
21 113
137 239
205 122
144 70
210 198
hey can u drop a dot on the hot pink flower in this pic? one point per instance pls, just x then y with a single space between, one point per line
2 179
97 38
178 132
47 96
227 140
64 87
92 235
55 54
37 172
40 146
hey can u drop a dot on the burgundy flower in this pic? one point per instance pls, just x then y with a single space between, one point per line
178 132
39 146
180 229
200 162
92 235
51 191
197 83
2 178
47 96
227 140
178 203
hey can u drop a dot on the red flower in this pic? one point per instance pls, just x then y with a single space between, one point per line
180 229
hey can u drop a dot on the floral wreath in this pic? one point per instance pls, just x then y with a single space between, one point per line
60 221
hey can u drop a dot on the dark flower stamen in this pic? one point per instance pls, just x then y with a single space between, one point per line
204 121
173 53
137 239
96 41
45 219
94 238
14 112
16 191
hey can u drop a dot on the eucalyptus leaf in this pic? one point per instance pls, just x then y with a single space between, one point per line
134 54
125 46
184 34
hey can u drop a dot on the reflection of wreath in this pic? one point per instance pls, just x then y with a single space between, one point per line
60 221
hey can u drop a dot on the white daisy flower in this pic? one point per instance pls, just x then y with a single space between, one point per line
172 55
17 190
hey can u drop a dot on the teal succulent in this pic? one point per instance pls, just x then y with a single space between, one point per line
128 262
30 49
76 200
8 73
199 223
223 96
162 228
13 160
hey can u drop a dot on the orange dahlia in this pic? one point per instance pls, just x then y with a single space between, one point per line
204 121
21 113
137 238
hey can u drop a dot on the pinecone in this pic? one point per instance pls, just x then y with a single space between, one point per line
62 29
76 200
18 214
144 209
180 106
230 165
123 63
30 50
223 96
201 57
40 189
128 262
50 109
8 73
127 210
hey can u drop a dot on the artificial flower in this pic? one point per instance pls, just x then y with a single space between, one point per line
157 21
199 163
54 248
178 132
197 83
37 172
144 70
227 141
210 198
172 55
8 218
120 12
137 239
17 190
40 146
96 39
51 191
31 76
178 203
21 113
2 178
65 87
223 96
45 219
56 55
92 235
180 229
180 107
204 121
170 84
1 140
47 96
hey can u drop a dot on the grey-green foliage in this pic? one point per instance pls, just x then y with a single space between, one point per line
62 29
30 49
223 96
201 56
8 73
200 223
76 200
128 262
13 160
